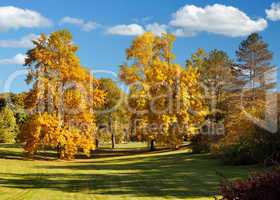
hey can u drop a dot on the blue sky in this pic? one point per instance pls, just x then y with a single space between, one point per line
104 29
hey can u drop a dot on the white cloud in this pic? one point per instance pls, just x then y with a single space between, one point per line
85 25
136 29
274 12
72 20
129 30
18 59
217 18
24 42
156 28
15 18
88 26
180 32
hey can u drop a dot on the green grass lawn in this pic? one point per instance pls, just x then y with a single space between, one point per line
122 174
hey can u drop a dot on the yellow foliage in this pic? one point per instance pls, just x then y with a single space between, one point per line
62 100
169 95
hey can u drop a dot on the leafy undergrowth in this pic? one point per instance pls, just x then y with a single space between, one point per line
124 173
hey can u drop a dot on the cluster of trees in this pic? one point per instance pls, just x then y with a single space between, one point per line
69 110
241 99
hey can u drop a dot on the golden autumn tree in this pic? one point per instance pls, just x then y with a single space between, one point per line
165 99
62 100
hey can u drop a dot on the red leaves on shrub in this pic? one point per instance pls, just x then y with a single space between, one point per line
261 186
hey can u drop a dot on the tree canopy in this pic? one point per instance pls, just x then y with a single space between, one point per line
165 98
62 100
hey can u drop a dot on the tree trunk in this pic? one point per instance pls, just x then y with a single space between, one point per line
152 145
58 150
126 135
96 143
113 138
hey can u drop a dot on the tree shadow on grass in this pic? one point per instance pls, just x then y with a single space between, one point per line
110 153
11 155
113 184
16 152
180 175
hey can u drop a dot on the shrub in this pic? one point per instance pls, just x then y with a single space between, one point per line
274 159
237 154
261 186
201 143
258 147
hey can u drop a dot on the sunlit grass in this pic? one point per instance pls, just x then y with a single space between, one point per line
122 174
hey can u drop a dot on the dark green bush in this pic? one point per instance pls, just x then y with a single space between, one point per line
238 154
201 143
257 148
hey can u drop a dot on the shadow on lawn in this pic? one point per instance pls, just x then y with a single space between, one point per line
176 175
16 152
7 151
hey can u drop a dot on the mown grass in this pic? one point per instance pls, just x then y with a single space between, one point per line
120 174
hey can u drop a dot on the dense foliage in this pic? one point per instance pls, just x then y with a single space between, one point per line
62 100
165 99
8 126
12 116
261 186
112 117
201 143
248 117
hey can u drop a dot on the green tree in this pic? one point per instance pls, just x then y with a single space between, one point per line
113 113
245 138
219 79
254 60
8 126
15 103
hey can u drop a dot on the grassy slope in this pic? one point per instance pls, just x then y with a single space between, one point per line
145 176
